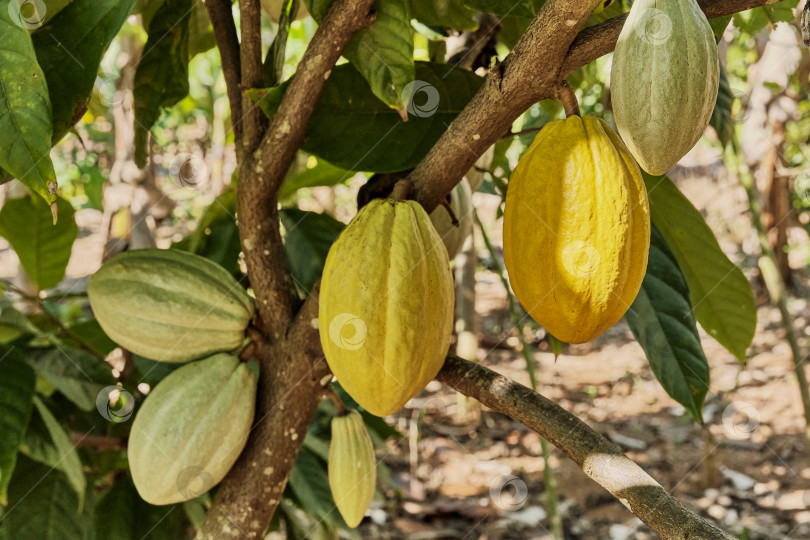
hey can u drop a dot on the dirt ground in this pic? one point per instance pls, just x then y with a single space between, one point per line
481 476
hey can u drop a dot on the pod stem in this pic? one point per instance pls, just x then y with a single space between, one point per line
402 190
453 218
331 394
568 98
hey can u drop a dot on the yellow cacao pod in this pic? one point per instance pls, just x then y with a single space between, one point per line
352 467
386 305
169 305
576 229
191 428
664 81
461 203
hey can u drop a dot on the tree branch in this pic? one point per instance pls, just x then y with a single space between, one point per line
253 119
219 11
600 459
530 73
262 172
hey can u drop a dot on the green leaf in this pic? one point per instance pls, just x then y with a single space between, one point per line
755 20
135 519
661 319
90 332
309 235
354 130
719 25
42 504
383 54
69 48
77 374
310 485
43 248
273 67
217 236
200 31
25 110
722 120
322 174
449 13
17 384
69 461
161 79
720 293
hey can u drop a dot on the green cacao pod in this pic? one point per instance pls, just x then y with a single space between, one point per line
352 467
576 229
664 81
191 428
461 203
169 305
386 305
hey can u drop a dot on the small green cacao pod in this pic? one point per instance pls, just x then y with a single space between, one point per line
461 203
191 428
386 305
169 305
352 467
664 81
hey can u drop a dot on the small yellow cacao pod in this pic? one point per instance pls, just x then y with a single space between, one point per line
191 428
386 305
352 467
169 305
454 236
576 229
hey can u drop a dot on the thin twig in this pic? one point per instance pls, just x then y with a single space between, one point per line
221 15
253 119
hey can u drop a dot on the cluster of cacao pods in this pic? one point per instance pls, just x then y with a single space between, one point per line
173 306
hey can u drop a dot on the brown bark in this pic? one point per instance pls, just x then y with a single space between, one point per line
219 11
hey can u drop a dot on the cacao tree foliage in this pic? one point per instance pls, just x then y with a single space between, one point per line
66 413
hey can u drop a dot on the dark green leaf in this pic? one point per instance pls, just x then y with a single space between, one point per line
17 382
755 20
43 248
719 25
720 293
322 174
90 332
121 514
69 49
77 374
353 129
161 79
383 54
449 13
25 109
217 236
41 504
310 484
69 461
200 31
309 236
273 67
661 319
722 120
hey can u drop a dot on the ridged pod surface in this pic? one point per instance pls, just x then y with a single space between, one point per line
386 305
352 467
576 229
191 428
664 81
169 305
461 203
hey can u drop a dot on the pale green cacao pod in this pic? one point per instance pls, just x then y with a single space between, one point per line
352 467
664 81
169 305
461 203
386 305
191 428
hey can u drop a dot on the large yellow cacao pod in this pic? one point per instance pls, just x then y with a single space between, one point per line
352 467
576 229
386 305
461 203
191 428
169 305
664 81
